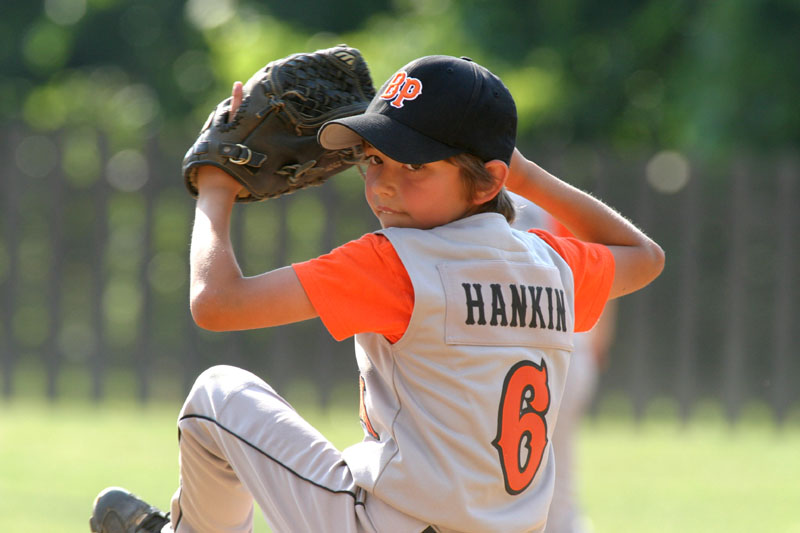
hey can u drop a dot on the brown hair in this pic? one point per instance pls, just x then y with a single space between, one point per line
477 177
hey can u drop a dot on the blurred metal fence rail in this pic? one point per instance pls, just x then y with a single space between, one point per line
93 274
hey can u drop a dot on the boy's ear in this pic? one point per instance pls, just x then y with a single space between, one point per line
499 170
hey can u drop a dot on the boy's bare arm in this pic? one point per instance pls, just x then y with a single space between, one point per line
221 298
639 260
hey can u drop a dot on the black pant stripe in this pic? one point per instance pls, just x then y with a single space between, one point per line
268 456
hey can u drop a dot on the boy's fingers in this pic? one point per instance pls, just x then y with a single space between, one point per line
236 99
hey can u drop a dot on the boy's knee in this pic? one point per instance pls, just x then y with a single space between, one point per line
214 386
218 375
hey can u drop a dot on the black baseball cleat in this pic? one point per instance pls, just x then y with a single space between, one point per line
118 511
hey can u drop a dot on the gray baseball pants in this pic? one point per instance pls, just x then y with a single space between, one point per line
240 441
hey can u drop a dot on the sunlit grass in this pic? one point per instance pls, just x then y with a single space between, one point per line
655 476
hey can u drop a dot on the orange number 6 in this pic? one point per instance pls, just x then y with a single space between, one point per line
521 424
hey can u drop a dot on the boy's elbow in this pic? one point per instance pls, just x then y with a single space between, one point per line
637 267
658 259
200 317
651 263
206 311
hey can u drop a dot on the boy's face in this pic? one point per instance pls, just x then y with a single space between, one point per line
414 196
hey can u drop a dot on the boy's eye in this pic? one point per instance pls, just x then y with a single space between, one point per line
413 168
373 160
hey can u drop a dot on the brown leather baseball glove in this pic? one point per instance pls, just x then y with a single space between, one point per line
270 144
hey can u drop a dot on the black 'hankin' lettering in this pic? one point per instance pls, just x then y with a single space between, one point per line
547 306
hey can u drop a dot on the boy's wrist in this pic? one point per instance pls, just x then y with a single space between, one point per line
523 175
212 179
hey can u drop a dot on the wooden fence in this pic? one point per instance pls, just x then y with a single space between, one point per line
93 274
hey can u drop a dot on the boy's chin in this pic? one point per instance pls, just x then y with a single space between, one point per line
403 221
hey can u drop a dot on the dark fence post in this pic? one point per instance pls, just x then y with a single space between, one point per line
784 346
11 238
686 387
734 344
55 275
143 352
100 238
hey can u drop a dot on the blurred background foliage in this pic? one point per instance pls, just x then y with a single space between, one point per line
104 96
711 77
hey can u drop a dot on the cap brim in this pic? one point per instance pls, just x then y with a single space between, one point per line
389 136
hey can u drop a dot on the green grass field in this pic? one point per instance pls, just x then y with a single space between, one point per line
657 476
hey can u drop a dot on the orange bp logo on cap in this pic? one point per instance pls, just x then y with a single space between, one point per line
401 87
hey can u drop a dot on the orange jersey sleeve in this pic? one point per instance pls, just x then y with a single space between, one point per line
592 268
361 286
558 229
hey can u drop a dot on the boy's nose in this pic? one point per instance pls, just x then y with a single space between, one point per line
382 183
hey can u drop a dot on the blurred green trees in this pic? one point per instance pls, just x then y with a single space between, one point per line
697 76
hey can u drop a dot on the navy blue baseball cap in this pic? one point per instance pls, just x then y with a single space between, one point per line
433 108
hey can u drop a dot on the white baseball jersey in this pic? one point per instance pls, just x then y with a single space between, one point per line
459 412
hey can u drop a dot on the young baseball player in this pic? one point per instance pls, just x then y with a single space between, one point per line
463 329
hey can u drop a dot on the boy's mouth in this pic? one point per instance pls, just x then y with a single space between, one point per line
386 210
